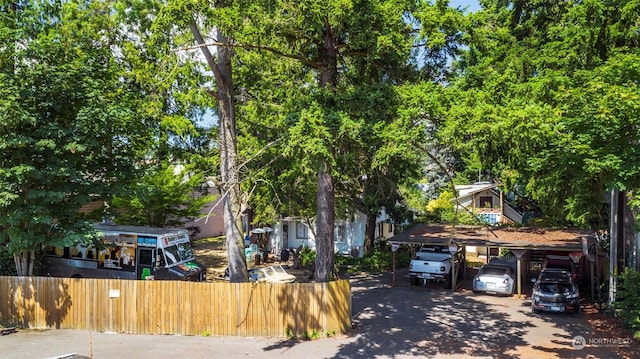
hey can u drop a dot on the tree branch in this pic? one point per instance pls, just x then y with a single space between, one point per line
207 54
302 59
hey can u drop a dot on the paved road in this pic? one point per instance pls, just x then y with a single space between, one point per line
389 322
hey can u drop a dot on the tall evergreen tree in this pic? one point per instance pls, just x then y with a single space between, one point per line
355 52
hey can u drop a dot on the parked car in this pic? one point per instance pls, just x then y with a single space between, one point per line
271 274
555 290
495 277
562 263
434 263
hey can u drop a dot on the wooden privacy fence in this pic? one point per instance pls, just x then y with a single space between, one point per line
175 307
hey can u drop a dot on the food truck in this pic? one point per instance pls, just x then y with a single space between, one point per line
127 252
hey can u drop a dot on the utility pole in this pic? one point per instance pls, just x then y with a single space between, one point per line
616 239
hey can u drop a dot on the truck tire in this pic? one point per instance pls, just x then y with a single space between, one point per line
413 280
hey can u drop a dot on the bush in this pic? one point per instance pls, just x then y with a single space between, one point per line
307 257
627 304
7 265
377 260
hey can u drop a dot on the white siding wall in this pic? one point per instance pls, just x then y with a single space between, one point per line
349 235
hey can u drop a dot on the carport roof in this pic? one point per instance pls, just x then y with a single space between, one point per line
514 238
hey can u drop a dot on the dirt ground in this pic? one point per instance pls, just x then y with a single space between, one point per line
212 253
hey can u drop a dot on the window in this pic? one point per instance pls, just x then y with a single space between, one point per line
178 253
145 257
302 231
341 233
486 202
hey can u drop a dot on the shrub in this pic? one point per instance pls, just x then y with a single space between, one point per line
377 260
627 304
307 257
7 265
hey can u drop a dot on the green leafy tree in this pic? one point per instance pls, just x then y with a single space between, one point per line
162 199
338 128
67 122
320 38
442 209
188 73
627 304
547 102
329 49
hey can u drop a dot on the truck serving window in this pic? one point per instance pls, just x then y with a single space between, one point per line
178 253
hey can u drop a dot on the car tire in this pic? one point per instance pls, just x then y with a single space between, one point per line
413 280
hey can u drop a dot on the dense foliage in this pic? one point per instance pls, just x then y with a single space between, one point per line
68 126
547 102
80 117
379 259
165 198
322 107
627 304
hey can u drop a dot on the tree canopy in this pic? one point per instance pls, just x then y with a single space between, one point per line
547 100
68 127
321 107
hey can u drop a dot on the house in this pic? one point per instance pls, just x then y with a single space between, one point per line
349 233
210 223
488 202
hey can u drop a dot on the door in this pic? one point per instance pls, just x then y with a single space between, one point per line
145 262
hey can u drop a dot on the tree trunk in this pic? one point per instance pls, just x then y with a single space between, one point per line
24 262
370 232
229 166
324 228
230 190
326 201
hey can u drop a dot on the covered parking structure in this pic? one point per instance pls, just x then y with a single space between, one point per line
528 244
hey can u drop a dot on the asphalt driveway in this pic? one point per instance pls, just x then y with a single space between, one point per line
398 321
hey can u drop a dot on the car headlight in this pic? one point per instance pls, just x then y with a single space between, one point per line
536 297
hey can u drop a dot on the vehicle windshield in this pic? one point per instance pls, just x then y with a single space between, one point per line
564 266
178 253
556 288
494 270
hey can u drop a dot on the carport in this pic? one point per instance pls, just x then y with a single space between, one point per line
521 241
